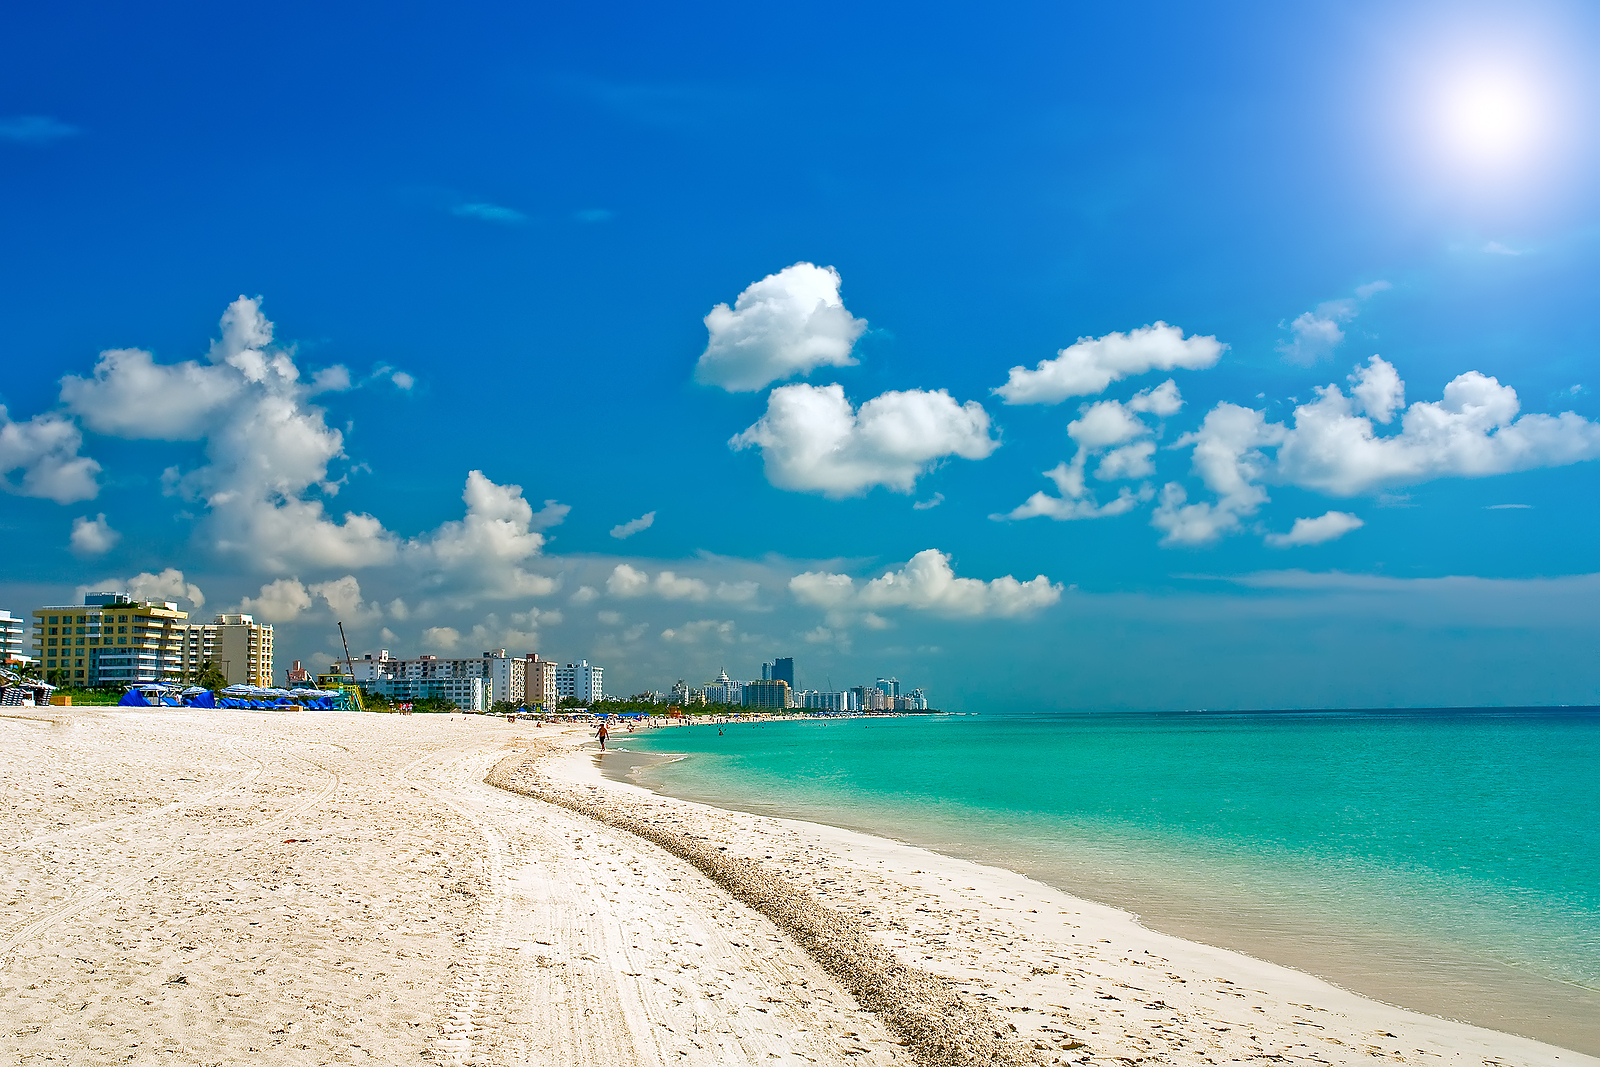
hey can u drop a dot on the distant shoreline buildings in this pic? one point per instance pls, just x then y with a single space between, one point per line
776 689
479 683
111 639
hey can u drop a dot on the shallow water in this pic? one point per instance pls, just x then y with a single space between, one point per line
1444 860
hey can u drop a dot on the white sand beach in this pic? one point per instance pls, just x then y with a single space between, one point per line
214 888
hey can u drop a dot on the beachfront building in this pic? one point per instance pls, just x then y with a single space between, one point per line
581 682
298 676
870 698
467 693
518 685
767 693
686 695
111 639
889 687
236 645
12 632
724 690
539 687
779 670
429 676
818 700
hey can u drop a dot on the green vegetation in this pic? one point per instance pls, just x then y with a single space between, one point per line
208 677
100 697
375 701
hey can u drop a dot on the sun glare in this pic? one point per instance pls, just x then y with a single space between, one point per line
1491 117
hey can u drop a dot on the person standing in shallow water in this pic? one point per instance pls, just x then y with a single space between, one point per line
602 734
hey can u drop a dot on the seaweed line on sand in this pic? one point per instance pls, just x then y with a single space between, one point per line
923 1010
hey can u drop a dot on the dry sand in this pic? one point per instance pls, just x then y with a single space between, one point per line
222 887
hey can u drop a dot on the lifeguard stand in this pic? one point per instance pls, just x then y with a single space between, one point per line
343 683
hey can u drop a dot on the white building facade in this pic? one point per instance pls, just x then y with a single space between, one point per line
724 690
581 682
425 676
826 701
12 631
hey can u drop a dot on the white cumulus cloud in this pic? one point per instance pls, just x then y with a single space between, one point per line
1128 462
627 581
279 601
170 584
1473 431
1104 424
1101 425
45 450
1328 527
1093 363
812 440
633 526
1229 460
1074 501
927 583
93 537
670 586
693 633
785 324
343 596
483 554
1315 334
267 449
1332 446
131 396
441 638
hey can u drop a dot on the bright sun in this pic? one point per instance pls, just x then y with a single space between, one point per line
1491 117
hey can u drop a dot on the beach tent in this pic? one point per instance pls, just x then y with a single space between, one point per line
150 696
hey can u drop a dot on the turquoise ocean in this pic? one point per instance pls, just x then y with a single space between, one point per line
1446 860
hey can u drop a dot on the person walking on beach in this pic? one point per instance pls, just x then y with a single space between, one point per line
602 734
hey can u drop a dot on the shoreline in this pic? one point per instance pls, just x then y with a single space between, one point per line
926 1012
625 774
332 888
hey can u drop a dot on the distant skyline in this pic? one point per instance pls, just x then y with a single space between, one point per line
1148 357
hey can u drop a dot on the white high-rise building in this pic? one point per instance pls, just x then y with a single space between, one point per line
581 682
825 701
419 677
724 690
12 630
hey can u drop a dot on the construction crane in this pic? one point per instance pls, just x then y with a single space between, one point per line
344 681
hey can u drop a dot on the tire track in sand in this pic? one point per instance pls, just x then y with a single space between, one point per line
236 785
593 947
122 886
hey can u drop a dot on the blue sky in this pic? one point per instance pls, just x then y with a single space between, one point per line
493 239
